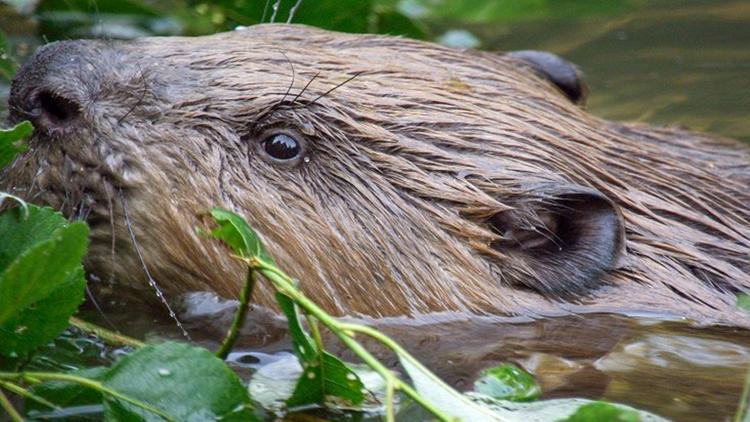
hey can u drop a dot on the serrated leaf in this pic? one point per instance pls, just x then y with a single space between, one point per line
41 281
188 383
10 142
508 382
35 325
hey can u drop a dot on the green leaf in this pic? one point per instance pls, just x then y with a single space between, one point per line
326 379
10 142
235 231
324 376
41 322
508 382
66 394
743 301
188 383
272 385
41 280
601 411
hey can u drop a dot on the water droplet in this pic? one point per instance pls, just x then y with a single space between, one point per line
164 372
351 377
307 159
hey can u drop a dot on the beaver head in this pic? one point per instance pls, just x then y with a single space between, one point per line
390 176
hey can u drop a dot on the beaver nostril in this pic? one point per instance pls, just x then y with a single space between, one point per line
58 109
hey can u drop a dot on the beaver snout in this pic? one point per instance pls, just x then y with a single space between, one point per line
45 89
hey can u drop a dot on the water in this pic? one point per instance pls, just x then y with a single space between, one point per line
682 63
675 62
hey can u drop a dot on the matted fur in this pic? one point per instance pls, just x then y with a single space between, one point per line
405 164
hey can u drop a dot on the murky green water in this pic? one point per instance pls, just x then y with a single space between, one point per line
674 62
670 62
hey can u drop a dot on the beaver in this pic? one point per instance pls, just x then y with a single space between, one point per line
390 176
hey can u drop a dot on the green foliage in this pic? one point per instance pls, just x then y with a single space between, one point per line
185 382
61 17
41 278
508 382
10 142
236 233
324 375
601 411
182 382
481 11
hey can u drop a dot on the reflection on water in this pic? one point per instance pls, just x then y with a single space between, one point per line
681 62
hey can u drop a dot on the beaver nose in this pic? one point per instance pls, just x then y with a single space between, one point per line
46 90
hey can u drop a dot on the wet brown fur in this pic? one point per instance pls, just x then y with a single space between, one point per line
407 164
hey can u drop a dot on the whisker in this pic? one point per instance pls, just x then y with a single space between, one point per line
90 297
304 88
333 89
110 205
140 100
291 84
151 280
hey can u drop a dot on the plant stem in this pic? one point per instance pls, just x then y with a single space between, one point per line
239 316
17 389
315 330
285 285
8 406
110 337
86 382
390 414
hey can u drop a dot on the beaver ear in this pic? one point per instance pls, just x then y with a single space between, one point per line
564 74
568 243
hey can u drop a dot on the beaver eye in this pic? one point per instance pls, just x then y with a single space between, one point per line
281 146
